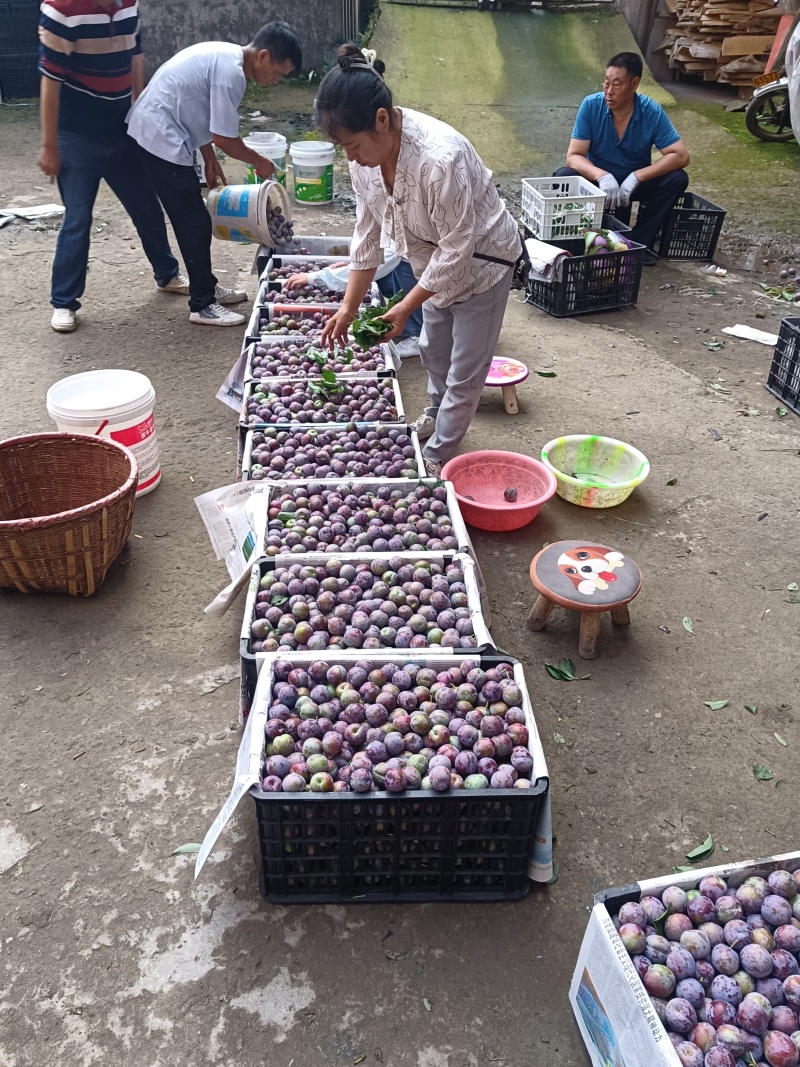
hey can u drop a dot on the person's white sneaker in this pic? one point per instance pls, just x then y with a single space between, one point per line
229 296
179 284
217 315
433 469
63 320
425 425
408 347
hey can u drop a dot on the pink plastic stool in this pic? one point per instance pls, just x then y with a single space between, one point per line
507 374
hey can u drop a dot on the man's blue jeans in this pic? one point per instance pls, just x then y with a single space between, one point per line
402 278
83 163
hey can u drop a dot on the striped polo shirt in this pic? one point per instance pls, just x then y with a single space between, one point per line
89 46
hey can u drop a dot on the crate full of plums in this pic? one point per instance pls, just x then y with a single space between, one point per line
392 775
697 969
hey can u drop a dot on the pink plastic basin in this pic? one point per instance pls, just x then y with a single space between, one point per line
481 478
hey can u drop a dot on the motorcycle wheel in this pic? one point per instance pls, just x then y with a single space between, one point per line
767 117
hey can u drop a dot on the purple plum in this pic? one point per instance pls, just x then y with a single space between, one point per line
728 908
659 981
676 925
681 963
776 910
712 886
718 1057
737 934
780 1050
704 1035
719 1012
680 1015
773 990
697 943
753 1017
691 990
784 1019
782 884
689 1054
756 960
674 898
788 938
791 991
634 913
731 1038
725 988
657 948
700 910
783 964
725 959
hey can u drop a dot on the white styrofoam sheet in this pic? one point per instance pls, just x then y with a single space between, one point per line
251 387
248 448
249 757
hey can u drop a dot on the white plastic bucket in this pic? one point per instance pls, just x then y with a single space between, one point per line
271 146
115 404
239 212
312 163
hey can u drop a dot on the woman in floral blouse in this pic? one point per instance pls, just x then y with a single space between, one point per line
421 186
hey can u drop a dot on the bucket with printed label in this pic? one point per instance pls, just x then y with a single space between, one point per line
115 404
250 214
312 163
271 146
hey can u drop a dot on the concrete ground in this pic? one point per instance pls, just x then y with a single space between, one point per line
119 712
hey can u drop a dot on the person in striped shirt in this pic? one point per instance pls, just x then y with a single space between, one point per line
91 63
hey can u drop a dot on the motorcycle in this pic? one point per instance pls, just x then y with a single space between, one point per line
767 115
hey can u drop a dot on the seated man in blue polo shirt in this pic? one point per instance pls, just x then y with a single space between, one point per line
612 143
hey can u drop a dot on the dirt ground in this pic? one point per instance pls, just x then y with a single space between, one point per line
119 713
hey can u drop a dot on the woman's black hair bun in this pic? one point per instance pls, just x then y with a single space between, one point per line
350 57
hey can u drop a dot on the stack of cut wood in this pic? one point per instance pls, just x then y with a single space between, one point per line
724 40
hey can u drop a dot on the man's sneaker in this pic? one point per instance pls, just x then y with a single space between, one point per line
63 320
425 425
179 284
433 469
408 347
229 296
217 315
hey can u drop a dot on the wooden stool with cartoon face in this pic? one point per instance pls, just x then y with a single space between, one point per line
586 578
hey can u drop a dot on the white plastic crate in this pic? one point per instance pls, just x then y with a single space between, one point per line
553 208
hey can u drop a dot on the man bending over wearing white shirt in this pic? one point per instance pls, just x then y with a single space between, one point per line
192 102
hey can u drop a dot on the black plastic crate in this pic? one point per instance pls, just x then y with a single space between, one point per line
784 374
590 283
576 245
19 76
349 847
417 846
692 229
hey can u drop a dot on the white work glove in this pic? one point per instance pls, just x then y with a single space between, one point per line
626 190
608 183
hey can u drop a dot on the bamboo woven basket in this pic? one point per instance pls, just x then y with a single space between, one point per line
66 508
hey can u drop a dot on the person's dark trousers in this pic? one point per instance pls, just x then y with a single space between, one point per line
402 280
84 162
178 189
656 198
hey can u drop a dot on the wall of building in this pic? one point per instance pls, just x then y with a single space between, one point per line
170 25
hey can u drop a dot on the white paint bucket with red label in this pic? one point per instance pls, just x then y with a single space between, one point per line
115 404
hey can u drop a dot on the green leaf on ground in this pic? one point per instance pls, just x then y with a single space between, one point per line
702 852
564 671
752 708
716 705
724 848
762 773
546 373
559 739
426 1004
793 587
682 869
688 625
780 740
714 345
780 412
672 481
185 850
659 922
